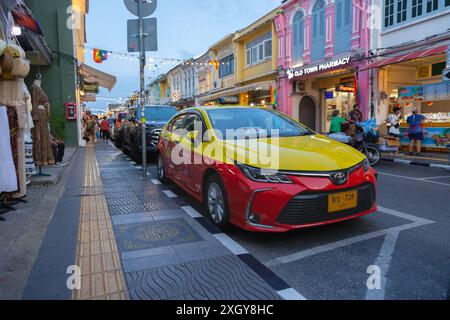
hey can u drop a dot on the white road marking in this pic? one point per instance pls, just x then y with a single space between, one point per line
156 182
192 212
416 222
291 295
410 178
133 163
139 167
170 194
231 245
383 262
432 178
405 216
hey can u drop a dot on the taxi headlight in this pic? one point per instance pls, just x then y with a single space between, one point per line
261 175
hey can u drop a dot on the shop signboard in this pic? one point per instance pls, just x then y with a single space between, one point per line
229 100
446 75
91 87
302 71
412 93
329 95
434 137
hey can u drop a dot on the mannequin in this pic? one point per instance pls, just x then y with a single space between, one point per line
42 150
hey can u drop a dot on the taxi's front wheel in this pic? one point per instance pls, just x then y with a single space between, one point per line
217 202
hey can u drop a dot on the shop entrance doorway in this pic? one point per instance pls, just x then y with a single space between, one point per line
307 112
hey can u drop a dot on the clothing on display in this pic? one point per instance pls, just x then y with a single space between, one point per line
8 177
13 94
42 149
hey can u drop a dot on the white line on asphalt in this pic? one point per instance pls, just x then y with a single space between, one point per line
156 182
133 163
405 216
170 194
383 262
291 294
192 212
139 167
410 178
431 178
231 245
339 244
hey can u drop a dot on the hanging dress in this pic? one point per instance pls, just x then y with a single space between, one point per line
8 177
42 149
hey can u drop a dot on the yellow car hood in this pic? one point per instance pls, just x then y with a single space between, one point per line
307 153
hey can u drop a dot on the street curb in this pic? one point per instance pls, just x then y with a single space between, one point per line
419 164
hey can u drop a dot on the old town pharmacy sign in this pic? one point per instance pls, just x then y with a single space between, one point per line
302 71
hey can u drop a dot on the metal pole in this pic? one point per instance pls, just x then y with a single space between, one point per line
142 91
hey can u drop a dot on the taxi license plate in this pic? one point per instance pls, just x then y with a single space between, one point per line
342 201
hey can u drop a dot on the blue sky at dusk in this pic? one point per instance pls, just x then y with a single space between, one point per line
185 29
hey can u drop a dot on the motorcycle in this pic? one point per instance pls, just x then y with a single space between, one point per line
365 141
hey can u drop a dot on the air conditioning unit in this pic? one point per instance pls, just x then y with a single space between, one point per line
300 87
424 72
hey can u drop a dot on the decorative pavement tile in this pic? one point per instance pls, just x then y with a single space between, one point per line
218 278
150 235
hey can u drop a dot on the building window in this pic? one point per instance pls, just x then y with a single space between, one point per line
298 37
388 13
432 5
401 10
226 67
318 31
259 49
417 8
343 26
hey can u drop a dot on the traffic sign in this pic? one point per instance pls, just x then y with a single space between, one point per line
150 35
147 7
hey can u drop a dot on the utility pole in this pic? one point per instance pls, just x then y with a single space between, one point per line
142 36
142 92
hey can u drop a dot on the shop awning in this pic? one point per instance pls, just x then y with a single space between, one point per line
104 79
407 57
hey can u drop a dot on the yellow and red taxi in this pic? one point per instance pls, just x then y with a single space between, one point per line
262 171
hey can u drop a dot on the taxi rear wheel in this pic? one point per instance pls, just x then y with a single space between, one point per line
160 168
217 202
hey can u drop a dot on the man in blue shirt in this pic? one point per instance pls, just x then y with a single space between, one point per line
416 134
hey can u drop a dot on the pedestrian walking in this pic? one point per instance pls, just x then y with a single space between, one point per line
415 132
393 123
105 127
91 128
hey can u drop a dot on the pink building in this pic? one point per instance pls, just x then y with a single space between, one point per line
322 45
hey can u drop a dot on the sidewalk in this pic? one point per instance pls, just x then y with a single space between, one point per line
434 160
132 240
23 231
54 172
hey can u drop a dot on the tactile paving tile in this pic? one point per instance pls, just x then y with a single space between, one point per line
222 278
118 194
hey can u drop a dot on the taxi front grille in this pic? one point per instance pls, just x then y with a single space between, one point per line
310 208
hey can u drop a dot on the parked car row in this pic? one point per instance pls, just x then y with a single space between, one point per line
129 135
